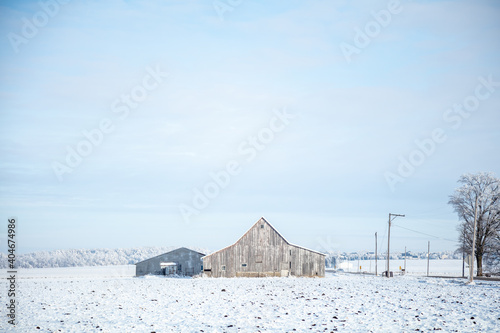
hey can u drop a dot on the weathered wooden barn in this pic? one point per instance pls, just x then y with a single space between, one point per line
181 261
262 252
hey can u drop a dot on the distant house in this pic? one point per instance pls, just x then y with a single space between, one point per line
262 252
181 261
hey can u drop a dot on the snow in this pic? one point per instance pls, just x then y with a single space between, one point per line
448 267
75 272
82 299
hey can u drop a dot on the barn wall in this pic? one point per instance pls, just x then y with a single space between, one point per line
306 262
190 263
265 253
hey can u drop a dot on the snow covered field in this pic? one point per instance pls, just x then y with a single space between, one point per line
448 267
76 272
108 299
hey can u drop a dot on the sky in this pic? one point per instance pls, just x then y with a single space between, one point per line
181 123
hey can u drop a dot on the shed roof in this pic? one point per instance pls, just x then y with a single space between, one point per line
180 248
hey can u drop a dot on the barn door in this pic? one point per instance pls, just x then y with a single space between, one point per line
285 269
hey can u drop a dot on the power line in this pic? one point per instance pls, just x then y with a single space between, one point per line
431 212
383 238
423 233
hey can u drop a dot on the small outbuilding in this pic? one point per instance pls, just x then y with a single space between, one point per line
262 251
181 261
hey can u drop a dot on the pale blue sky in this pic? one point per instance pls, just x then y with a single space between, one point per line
321 181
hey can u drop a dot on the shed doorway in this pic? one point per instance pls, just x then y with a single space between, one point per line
168 268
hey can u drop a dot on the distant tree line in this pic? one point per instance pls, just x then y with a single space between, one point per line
87 257
130 256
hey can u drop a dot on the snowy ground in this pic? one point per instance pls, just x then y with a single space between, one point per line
94 299
448 267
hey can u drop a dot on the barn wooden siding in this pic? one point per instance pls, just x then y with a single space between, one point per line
263 252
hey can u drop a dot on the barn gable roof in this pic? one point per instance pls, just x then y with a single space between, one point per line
180 248
301 247
262 219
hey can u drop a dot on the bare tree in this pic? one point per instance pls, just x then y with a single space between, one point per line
493 258
486 188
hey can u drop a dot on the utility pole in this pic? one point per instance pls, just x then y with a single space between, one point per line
463 263
375 254
471 264
405 259
391 218
428 255
463 255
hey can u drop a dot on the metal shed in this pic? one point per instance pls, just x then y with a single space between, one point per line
262 251
181 261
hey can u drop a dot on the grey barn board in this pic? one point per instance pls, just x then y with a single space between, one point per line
262 252
188 262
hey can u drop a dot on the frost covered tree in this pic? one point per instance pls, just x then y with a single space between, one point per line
493 259
484 187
